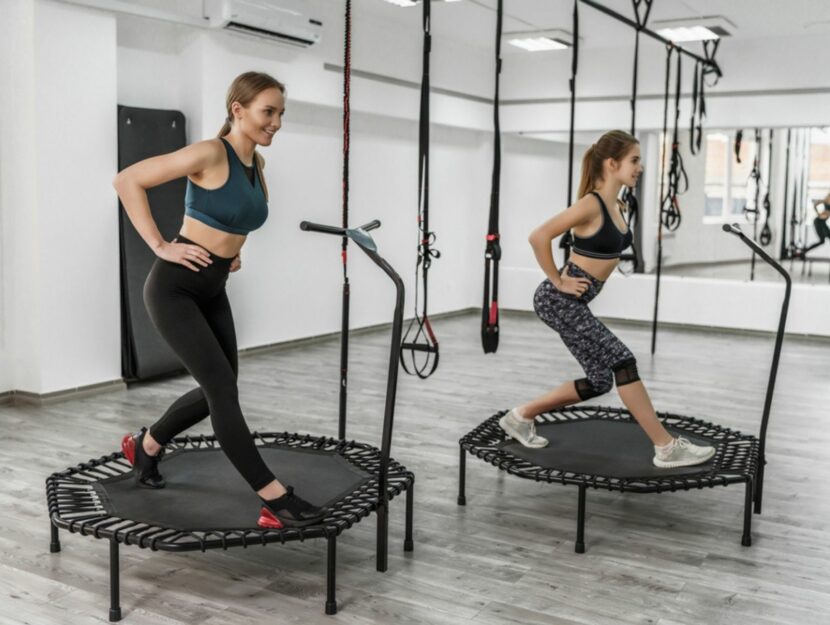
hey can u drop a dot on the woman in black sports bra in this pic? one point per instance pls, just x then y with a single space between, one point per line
561 301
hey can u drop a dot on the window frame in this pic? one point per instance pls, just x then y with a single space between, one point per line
726 216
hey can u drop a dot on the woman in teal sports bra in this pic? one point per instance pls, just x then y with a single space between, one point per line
226 199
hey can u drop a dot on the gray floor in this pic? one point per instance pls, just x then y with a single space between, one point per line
508 556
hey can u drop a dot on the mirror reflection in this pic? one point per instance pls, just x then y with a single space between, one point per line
774 183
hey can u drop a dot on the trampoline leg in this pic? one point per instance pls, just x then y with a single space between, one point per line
115 590
331 602
462 478
383 536
55 544
759 486
580 522
746 539
408 544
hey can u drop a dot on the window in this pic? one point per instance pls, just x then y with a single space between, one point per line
818 183
727 184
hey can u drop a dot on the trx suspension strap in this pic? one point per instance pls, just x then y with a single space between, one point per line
669 50
755 211
702 69
739 137
629 196
492 252
766 231
344 325
677 178
566 239
786 252
419 337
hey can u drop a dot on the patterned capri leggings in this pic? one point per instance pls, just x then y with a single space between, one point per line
602 355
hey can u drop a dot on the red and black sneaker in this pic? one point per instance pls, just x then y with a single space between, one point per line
145 466
289 511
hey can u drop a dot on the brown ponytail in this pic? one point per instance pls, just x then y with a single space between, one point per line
244 89
614 144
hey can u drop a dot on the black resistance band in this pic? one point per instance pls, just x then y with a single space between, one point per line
344 325
755 211
766 231
566 240
739 137
669 50
702 70
628 262
678 180
419 346
492 251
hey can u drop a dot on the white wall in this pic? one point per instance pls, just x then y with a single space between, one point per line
59 234
58 217
16 183
751 67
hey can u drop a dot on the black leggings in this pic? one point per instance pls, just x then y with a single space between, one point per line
603 356
191 312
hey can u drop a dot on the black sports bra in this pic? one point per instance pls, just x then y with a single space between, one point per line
607 242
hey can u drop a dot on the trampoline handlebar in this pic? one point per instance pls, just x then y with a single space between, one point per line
779 338
736 230
313 227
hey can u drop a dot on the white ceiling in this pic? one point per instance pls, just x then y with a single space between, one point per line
472 22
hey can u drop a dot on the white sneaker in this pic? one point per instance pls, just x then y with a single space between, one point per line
522 430
682 453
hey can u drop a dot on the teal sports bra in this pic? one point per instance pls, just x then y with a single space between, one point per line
237 207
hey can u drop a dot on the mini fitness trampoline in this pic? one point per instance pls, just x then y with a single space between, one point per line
208 505
604 448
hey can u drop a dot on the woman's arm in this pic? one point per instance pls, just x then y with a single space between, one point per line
132 183
583 211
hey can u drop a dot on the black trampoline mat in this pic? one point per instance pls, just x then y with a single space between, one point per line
618 449
205 492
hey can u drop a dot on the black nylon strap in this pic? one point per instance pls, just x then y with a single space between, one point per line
345 303
678 180
492 252
739 138
693 145
419 348
786 250
566 240
666 96
628 262
766 231
707 67
755 211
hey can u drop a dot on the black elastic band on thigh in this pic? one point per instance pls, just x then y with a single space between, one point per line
626 372
585 389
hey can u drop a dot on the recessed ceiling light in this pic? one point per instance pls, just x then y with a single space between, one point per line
695 28
411 3
540 40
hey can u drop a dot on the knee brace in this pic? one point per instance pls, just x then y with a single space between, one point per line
626 372
587 389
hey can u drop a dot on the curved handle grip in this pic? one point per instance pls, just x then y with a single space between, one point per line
313 227
733 229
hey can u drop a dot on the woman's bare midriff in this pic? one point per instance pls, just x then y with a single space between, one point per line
217 242
600 268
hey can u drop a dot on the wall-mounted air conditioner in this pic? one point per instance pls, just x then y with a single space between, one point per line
282 21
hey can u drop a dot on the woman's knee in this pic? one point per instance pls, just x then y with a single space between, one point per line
595 385
626 372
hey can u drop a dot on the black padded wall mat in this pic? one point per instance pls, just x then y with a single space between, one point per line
143 133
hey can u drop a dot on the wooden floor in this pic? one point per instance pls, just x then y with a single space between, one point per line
507 557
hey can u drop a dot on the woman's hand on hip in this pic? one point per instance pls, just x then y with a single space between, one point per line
236 263
573 285
184 254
